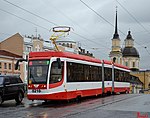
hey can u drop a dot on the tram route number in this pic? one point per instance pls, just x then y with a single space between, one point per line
36 91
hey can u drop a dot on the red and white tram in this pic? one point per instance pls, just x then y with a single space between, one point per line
64 76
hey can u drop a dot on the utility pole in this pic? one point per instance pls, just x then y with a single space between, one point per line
144 80
113 75
103 78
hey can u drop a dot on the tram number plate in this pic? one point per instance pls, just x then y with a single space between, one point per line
36 91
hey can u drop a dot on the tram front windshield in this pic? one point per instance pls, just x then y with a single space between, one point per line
38 71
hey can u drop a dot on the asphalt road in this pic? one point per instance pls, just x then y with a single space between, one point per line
117 106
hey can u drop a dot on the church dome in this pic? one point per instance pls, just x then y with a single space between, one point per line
130 52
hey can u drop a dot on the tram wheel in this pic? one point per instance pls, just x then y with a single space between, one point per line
78 99
1 100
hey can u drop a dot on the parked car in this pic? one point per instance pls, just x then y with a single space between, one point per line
143 90
11 87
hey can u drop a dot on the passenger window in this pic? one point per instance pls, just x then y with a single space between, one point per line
56 72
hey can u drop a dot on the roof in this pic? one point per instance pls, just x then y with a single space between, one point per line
130 52
49 54
6 53
129 36
15 35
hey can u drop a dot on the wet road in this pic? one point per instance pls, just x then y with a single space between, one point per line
117 106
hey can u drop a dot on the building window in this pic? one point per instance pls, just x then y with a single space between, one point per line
71 45
28 49
126 63
37 48
0 65
5 65
133 64
9 66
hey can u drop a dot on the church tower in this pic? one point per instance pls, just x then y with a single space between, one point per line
130 55
116 48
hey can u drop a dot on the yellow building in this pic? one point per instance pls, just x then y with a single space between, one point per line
115 53
144 76
128 55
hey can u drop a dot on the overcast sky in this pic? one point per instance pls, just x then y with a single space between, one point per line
92 25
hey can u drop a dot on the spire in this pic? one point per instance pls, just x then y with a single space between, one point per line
116 35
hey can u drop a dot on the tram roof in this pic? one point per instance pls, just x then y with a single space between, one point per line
48 54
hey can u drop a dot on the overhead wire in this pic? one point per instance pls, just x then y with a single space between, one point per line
23 19
100 15
147 50
111 23
40 26
79 27
49 21
133 17
30 12
138 23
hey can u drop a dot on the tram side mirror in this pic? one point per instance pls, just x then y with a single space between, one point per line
17 63
59 63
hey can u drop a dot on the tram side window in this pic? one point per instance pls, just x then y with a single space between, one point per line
94 73
71 72
56 72
75 72
118 75
121 76
100 73
82 73
87 73
127 76
108 74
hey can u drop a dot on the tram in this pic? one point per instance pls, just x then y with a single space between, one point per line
56 75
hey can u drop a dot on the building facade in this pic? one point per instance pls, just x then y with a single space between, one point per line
21 46
67 45
128 55
7 63
116 53
144 76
